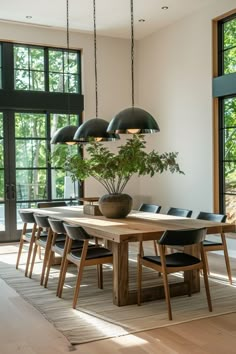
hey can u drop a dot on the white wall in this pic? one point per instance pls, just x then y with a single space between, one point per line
175 85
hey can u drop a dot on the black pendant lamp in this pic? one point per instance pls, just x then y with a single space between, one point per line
94 129
133 120
66 134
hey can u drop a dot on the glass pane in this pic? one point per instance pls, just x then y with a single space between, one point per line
37 59
60 120
2 184
30 125
230 61
1 153
2 217
1 125
230 144
230 112
21 80
62 186
56 82
230 207
31 184
37 81
70 63
230 177
21 57
31 153
72 81
55 61
229 33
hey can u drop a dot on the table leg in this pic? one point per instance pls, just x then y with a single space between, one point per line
120 274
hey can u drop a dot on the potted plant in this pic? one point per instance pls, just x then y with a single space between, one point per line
114 170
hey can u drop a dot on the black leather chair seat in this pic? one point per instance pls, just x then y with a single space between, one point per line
211 243
96 252
174 259
60 245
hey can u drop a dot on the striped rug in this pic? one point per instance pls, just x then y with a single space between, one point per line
96 317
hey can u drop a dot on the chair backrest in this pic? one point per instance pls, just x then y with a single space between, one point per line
183 237
51 204
211 216
42 220
27 217
150 208
179 212
57 226
76 232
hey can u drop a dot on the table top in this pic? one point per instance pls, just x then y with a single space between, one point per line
136 226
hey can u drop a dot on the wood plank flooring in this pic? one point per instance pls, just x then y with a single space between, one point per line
23 330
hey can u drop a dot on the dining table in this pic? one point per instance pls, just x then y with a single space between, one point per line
137 226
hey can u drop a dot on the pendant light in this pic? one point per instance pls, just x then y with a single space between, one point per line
133 120
95 128
65 134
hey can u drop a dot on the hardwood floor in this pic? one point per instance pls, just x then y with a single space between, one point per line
23 330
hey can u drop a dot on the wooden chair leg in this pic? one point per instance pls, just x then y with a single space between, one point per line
206 282
33 259
63 261
226 255
19 252
77 286
100 276
50 260
167 294
155 248
62 280
29 255
139 280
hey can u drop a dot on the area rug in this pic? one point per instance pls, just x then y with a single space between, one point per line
96 317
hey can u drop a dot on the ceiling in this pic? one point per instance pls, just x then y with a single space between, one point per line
112 16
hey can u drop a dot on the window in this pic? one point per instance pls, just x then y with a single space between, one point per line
31 73
228 52
224 91
29 68
63 71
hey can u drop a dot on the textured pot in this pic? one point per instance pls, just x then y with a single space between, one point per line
115 206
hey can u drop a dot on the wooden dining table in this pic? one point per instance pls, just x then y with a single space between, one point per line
137 226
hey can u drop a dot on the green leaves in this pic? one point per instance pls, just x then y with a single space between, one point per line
114 171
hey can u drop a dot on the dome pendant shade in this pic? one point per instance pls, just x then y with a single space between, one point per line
94 129
133 120
64 135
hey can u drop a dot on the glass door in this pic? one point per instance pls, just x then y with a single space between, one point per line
26 175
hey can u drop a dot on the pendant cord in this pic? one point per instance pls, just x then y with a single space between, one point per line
95 55
68 62
132 49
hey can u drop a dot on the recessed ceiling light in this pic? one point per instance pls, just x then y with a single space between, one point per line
141 20
28 17
165 8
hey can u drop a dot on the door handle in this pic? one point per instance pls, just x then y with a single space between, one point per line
7 192
13 191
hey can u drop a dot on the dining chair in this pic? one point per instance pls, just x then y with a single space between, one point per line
218 245
179 212
87 256
58 246
43 239
151 208
27 218
175 262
